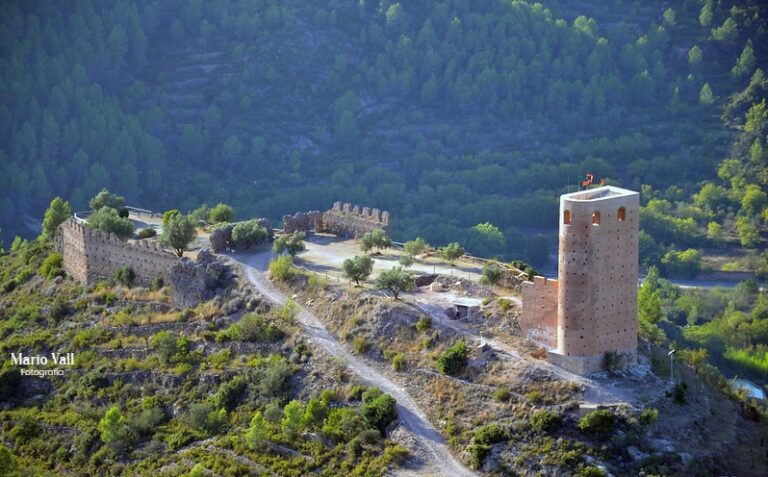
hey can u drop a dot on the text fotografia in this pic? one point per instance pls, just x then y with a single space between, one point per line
55 359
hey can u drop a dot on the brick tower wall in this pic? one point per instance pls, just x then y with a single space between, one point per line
538 320
598 260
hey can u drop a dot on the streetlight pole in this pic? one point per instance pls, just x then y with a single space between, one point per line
672 365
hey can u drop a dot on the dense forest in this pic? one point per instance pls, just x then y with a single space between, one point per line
449 114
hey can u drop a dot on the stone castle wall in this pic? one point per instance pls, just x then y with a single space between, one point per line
303 221
345 219
90 255
538 321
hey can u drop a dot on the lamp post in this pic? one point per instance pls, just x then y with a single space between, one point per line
672 365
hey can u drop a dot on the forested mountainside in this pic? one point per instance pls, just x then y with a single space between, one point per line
449 114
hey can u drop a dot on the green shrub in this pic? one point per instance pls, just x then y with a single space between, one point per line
204 417
546 420
398 362
125 275
147 233
501 395
248 233
51 266
504 303
599 422
453 359
535 397
221 213
360 344
282 269
424 323
230 394
477 453
156 284
489 435
648 416
256 328
343 424
379 412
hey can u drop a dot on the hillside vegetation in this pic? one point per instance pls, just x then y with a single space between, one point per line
447 113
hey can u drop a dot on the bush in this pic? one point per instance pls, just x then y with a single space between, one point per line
108 220
221 213
398 362
379 412
246 234
598 422
168 215
282 268
51 266
255 328
230 394
164 344
648 416
125 276
204 417
147 233
501 395
546 420
489 435
343 424
424 323
477 453
360 344
156 284
453 359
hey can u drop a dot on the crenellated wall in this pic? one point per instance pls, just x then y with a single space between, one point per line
538 321
345 219
89 255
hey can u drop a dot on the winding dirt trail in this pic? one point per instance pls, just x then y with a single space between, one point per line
408 411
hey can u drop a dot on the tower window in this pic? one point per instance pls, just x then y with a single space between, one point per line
566 217
596 217
622 214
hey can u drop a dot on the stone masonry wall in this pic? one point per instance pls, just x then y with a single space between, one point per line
345 219
303 221
538 321
89 255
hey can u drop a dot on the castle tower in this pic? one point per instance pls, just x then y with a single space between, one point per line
597 277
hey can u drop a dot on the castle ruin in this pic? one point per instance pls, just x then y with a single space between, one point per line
89 255
344 219
591 309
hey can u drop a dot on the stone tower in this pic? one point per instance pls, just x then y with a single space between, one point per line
597 274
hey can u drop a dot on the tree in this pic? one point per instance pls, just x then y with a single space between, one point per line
705 17
746 62
375 239
9 466
293 420
291 244
451 252
258 432
705 95
648 299
108 220
669 17
248 233
749 235
107 199
695 55
492 274
754 200
416 247
169 214
396 280
728 32
179 232
406 260
164 343
58 211
486 240
316 412
221 213
112 425
357 268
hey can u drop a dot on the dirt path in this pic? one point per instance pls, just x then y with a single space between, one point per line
408 411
